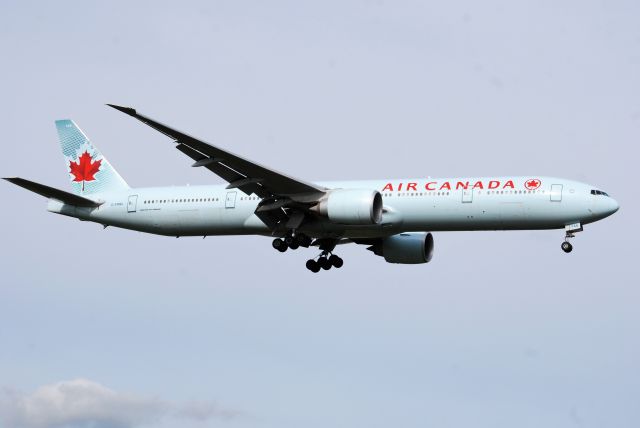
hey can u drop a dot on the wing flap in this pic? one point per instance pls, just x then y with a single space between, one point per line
223 171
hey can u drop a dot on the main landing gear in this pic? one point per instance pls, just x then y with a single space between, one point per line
325 261
293 241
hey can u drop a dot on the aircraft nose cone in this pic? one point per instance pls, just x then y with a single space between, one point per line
610 207
614 206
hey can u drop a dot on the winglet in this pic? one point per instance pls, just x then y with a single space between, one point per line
128 110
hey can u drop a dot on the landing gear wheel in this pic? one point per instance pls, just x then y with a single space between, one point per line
303 240
324 263
566 247
292 241
279 245
336 261
313 266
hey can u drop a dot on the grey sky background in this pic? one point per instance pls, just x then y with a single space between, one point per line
501 329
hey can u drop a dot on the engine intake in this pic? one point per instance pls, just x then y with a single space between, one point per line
405 248
351 206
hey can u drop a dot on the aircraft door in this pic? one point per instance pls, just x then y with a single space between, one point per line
133 202
556 193
467 195
230 201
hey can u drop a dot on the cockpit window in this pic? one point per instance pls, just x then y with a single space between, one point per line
598 192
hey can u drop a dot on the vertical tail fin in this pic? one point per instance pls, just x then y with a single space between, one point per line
89 171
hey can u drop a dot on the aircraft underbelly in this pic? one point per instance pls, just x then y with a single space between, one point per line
484 215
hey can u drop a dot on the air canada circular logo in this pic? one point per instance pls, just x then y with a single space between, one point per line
532 184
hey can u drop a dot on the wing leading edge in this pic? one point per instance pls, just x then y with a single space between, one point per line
240 173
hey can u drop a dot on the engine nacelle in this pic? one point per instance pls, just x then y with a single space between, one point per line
351 206
405 248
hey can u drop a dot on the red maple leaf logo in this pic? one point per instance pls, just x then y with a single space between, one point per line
532 184
85 168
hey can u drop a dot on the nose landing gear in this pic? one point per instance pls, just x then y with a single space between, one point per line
570 231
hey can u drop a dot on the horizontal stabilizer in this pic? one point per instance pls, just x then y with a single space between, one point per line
53 193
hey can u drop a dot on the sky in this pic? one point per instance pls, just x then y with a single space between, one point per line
118 329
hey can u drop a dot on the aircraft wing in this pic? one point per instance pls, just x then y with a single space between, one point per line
239 172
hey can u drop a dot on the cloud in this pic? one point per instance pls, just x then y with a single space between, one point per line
82 403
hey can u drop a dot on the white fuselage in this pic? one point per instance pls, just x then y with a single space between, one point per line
424 204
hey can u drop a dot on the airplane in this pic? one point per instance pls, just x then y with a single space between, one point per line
393 218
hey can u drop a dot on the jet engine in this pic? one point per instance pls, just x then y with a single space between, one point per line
351 206
405 248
